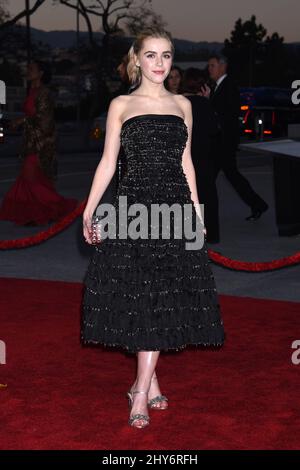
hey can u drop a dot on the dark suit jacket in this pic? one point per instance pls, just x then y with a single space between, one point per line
205 127
226 103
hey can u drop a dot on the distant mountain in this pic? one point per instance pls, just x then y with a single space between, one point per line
64 39
67 39
184 45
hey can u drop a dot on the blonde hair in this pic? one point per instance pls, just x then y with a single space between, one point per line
133 71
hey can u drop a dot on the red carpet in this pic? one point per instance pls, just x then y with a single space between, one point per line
62 396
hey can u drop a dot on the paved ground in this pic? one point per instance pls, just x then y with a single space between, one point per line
65 256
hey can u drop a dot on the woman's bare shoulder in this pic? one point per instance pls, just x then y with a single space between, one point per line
122 105
181 99
117 106
121 102
184 103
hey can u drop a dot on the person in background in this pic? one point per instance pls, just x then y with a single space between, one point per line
205 128
125 83
33 199
173 83
225 100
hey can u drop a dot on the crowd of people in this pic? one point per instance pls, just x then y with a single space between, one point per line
151 296
215 100
33 199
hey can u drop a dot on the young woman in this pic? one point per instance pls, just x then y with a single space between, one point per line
33 199
174 80
149 295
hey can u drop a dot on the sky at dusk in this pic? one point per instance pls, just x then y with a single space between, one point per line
197 20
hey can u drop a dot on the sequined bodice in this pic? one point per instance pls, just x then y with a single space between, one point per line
152 139
154 145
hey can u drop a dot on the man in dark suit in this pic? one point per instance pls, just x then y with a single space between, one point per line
225 100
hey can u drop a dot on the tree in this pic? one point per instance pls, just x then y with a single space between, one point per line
243 46
274 64
6 21
246 33
12 34
115 18
4 15
255 58
11 40
143 18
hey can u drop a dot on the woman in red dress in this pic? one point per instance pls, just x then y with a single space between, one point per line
33 199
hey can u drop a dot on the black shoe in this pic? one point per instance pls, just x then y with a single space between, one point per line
256 213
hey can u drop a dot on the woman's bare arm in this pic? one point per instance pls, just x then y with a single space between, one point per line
187 162
107 166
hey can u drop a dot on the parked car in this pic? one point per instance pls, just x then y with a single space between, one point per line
1 132
5 119
4 127
267 112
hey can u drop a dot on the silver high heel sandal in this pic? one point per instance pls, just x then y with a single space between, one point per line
137 416
158 399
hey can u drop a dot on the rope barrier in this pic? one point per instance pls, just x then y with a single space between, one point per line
45 234
236 265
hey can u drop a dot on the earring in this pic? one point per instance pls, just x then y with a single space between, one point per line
137 65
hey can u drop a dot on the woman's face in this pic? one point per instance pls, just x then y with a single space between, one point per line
155 59
33 72
174 80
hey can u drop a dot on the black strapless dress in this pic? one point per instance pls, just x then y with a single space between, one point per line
151 294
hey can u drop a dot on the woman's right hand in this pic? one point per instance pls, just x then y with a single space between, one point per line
87 227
